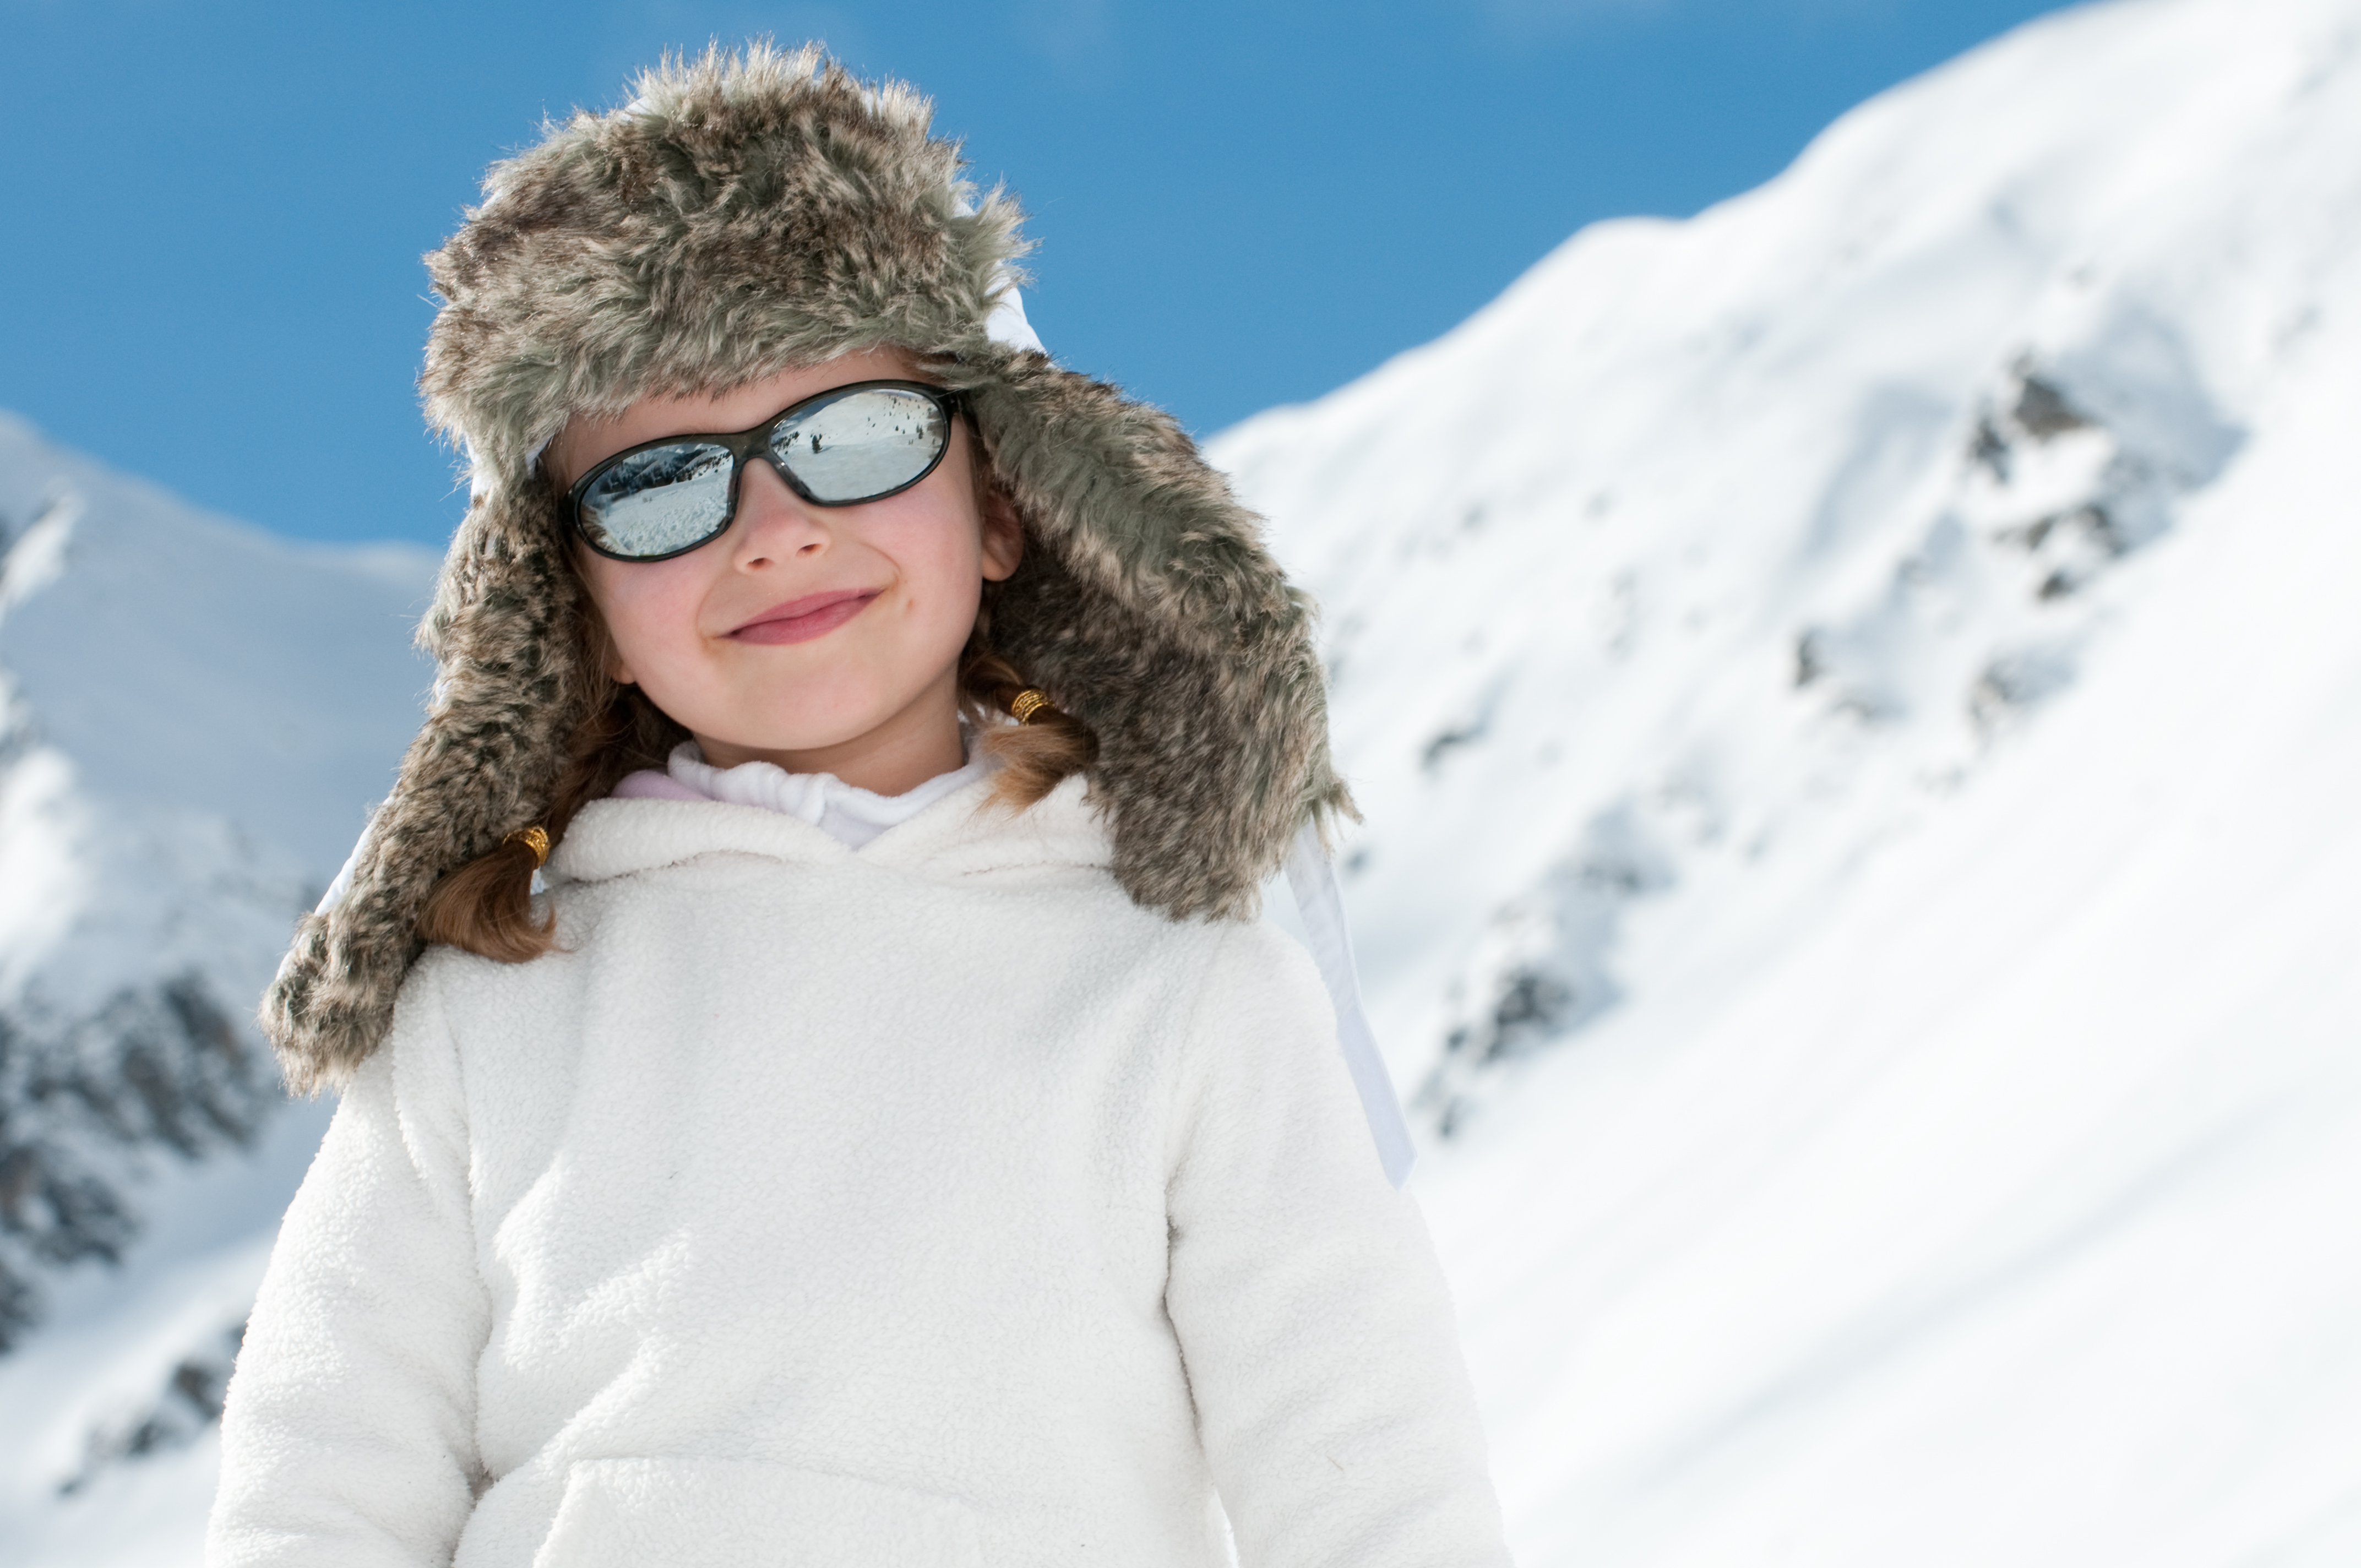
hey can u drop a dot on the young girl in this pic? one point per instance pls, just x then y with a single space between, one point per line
889 1141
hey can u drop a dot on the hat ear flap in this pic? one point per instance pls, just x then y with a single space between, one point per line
1148 607
514 688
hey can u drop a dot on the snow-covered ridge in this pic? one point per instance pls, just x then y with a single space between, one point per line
1710 541
194 717
1855 701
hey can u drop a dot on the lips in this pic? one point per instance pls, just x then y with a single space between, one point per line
801 620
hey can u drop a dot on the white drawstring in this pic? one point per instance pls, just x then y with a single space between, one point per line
1314 882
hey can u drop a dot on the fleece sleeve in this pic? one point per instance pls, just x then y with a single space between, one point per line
1318 1336
348 1437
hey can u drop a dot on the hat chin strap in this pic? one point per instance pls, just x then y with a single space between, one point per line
1313 881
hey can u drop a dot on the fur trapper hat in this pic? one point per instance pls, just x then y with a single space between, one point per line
745 214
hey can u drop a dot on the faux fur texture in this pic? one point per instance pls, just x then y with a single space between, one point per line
744 214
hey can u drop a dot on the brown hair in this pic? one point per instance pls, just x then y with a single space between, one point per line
486 906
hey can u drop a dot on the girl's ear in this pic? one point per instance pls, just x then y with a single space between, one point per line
1003 536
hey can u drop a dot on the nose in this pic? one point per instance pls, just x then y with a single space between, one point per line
773 524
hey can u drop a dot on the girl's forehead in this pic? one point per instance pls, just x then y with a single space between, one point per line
588 438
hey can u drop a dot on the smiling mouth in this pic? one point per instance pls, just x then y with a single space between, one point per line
800 621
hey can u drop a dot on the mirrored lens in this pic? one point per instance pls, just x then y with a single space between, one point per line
864 444
660 501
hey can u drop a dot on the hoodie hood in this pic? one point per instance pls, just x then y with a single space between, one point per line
961 835
744 214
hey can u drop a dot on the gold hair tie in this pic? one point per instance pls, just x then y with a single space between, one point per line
536 838
1027 703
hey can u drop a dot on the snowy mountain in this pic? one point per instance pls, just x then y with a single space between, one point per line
194 717
1857 699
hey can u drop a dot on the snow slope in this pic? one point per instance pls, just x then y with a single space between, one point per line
1857 699
194 717
1857 706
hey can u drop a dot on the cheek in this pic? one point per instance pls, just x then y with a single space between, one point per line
650 609
946 589
940 554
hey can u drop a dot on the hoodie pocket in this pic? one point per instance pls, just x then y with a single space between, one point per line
723 1513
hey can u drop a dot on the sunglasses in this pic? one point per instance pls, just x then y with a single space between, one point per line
841 447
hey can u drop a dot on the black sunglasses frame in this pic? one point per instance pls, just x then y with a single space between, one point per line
755 442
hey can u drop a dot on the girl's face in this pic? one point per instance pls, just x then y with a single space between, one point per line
823 639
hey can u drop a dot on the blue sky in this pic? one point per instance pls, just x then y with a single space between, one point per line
215 211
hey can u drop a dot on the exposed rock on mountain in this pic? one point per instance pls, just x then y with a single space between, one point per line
194 718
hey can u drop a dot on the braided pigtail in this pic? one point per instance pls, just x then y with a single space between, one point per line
1034 754
486 906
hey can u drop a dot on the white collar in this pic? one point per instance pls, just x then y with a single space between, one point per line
846 812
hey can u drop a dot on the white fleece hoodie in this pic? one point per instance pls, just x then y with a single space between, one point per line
927 1203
